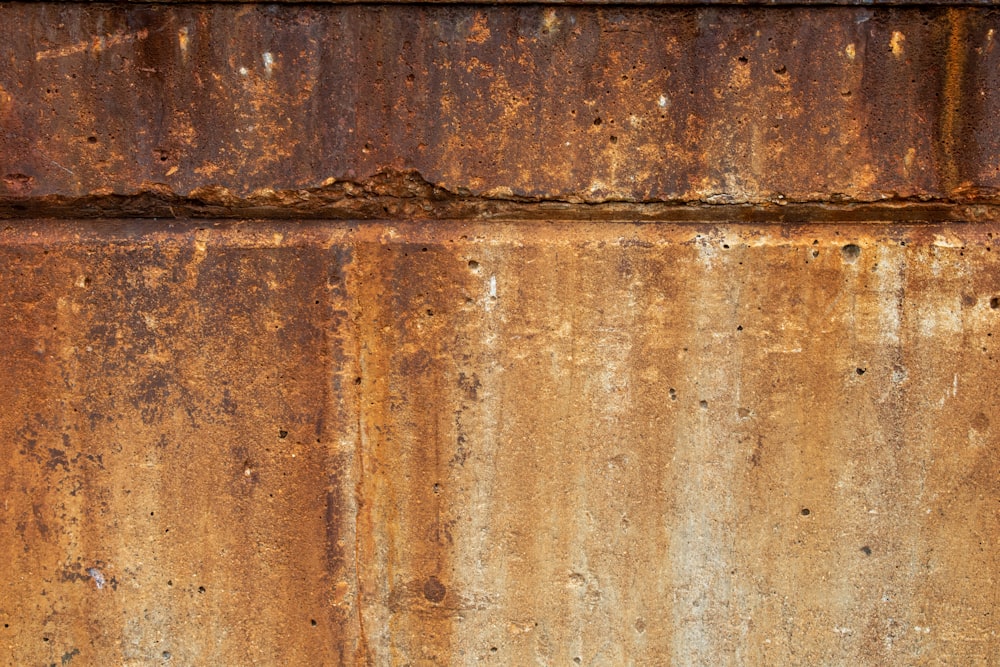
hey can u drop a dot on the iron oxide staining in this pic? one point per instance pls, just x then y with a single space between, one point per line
434 590
771 118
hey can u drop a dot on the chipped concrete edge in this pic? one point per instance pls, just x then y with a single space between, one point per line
389 195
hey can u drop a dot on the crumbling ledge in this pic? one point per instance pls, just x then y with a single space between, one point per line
392 195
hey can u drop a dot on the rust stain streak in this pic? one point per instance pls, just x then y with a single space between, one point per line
951 111
364 527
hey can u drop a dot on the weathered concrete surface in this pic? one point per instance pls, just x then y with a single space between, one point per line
173 478
527 443
506 384
582 103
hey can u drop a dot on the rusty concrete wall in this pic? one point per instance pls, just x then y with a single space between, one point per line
714 383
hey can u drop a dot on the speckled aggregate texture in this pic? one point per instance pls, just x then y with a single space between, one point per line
433 334
319 443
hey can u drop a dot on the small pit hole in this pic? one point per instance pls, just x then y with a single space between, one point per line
866 550
201 589
851 252
860 371
805 511
598 121
91 140
995 302
312 622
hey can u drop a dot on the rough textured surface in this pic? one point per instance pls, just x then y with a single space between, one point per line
578 103
532 443
392 195
508 334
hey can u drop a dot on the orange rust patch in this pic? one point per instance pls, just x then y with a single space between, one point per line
409 443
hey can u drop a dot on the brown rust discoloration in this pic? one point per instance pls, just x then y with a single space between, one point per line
638 3
951 95
498 372
402 416
713 104
528 442
174 441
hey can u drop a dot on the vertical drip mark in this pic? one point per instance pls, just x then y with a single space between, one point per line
951 104
364 547
362 518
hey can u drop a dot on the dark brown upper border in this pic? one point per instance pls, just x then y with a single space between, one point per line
718 105
628 3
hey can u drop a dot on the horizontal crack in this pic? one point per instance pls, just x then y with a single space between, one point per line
393 195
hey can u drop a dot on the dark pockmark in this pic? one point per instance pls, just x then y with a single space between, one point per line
434 590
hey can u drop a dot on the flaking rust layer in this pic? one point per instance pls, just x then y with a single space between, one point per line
529 443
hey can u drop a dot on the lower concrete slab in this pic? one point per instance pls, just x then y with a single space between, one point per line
508 443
